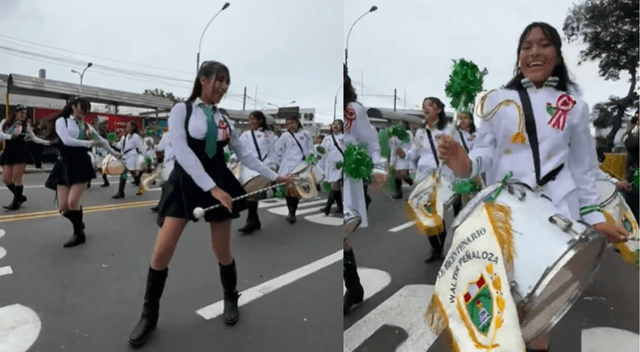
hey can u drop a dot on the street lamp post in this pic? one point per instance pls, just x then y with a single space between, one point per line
82 74
373 8
281 106
226 4
335 102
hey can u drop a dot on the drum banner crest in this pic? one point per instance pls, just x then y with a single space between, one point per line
472 298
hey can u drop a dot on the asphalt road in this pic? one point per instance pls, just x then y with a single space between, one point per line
398 286
89 298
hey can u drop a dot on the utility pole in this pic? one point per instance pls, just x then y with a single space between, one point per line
244 99
405 98
255 99
394 99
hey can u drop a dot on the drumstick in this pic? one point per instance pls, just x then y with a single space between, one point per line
198 212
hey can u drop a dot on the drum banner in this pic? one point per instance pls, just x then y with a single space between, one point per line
425 205
472 299
618 212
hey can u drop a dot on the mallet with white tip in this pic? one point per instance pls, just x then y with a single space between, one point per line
198 212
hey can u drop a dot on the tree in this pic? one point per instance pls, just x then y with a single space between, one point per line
158 92
609 28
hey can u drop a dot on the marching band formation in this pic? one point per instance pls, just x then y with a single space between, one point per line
521 156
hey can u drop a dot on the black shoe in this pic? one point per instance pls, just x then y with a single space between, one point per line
78 237
339 211
106 184
231 313
355 292
75 240
150 308
436 254
155 209
352 298
14 205
291 219
120 194
250 227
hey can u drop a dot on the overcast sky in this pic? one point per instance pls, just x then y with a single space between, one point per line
287 49
409 45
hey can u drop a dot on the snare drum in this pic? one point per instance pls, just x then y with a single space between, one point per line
304 185
250 180
554 260
426 204
617 211
112 166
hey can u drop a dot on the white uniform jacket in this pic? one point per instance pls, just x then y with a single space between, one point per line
468 138
17 129
130 146
403 164
332 155
289 151
198 130
562 125
422 152
263 148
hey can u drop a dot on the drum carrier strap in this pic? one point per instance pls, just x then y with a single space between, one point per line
530 125
255 142
464 144
433 146
336 144
299 145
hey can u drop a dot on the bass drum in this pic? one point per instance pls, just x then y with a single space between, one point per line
112 166
304 185
250 180
617 211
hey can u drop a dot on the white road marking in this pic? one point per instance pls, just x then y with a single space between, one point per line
5 270
1 233
3 252
307 208
402 227
325 220
607 339
216 309
405 309
271 202
19 328
372 280
40 186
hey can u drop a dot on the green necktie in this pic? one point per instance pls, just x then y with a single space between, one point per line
80 129
212 131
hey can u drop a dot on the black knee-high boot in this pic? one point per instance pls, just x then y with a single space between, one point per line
398 194
408 180
18 198
292 204
120 194
355 292
21 197
253 221
330 200
437 244
106 182
340 209
229 279
151 306
367 198
78 237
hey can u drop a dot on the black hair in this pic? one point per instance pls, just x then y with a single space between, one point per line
560 71
262 120
472 128
12 118
442 117
134 128
207 70
350 95
341 125
297 120
83 103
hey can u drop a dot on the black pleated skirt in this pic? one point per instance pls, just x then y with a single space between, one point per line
73 166
16 152
181 194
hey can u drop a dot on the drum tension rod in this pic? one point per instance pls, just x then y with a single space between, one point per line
563 223
512 191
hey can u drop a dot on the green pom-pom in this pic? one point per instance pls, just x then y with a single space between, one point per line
326 187
635 181
311 159
148 160
124 176
383 141
339 165
112 137
466 187
464 83
227 157
399 131
358 165
280 192
321 150
149 133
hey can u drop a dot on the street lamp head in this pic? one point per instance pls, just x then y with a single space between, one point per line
74 71
226 4
89 65
373 8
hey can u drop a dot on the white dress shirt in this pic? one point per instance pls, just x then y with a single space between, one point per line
266 143
289 151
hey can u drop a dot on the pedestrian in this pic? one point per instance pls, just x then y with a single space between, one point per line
15 131
73 170
294 145
131 145
561 162
333 145
425 153
200 178
260 142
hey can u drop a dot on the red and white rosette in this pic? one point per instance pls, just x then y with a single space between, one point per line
564 104
349 117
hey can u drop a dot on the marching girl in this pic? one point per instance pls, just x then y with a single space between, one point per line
168 160
200 178
73 170
357 129
424 151
259 142
566 167
466 131
16 131
293 147
130 145
403 166
333 145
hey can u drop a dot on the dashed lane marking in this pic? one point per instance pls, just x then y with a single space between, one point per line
402 227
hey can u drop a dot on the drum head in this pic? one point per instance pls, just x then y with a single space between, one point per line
562 285
606 192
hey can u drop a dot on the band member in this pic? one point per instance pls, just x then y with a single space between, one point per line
131 145
72 172
402 166
15 131
333 145
168 160
260 142
425 153
357 129
558 161
466 131
200 178
293 147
